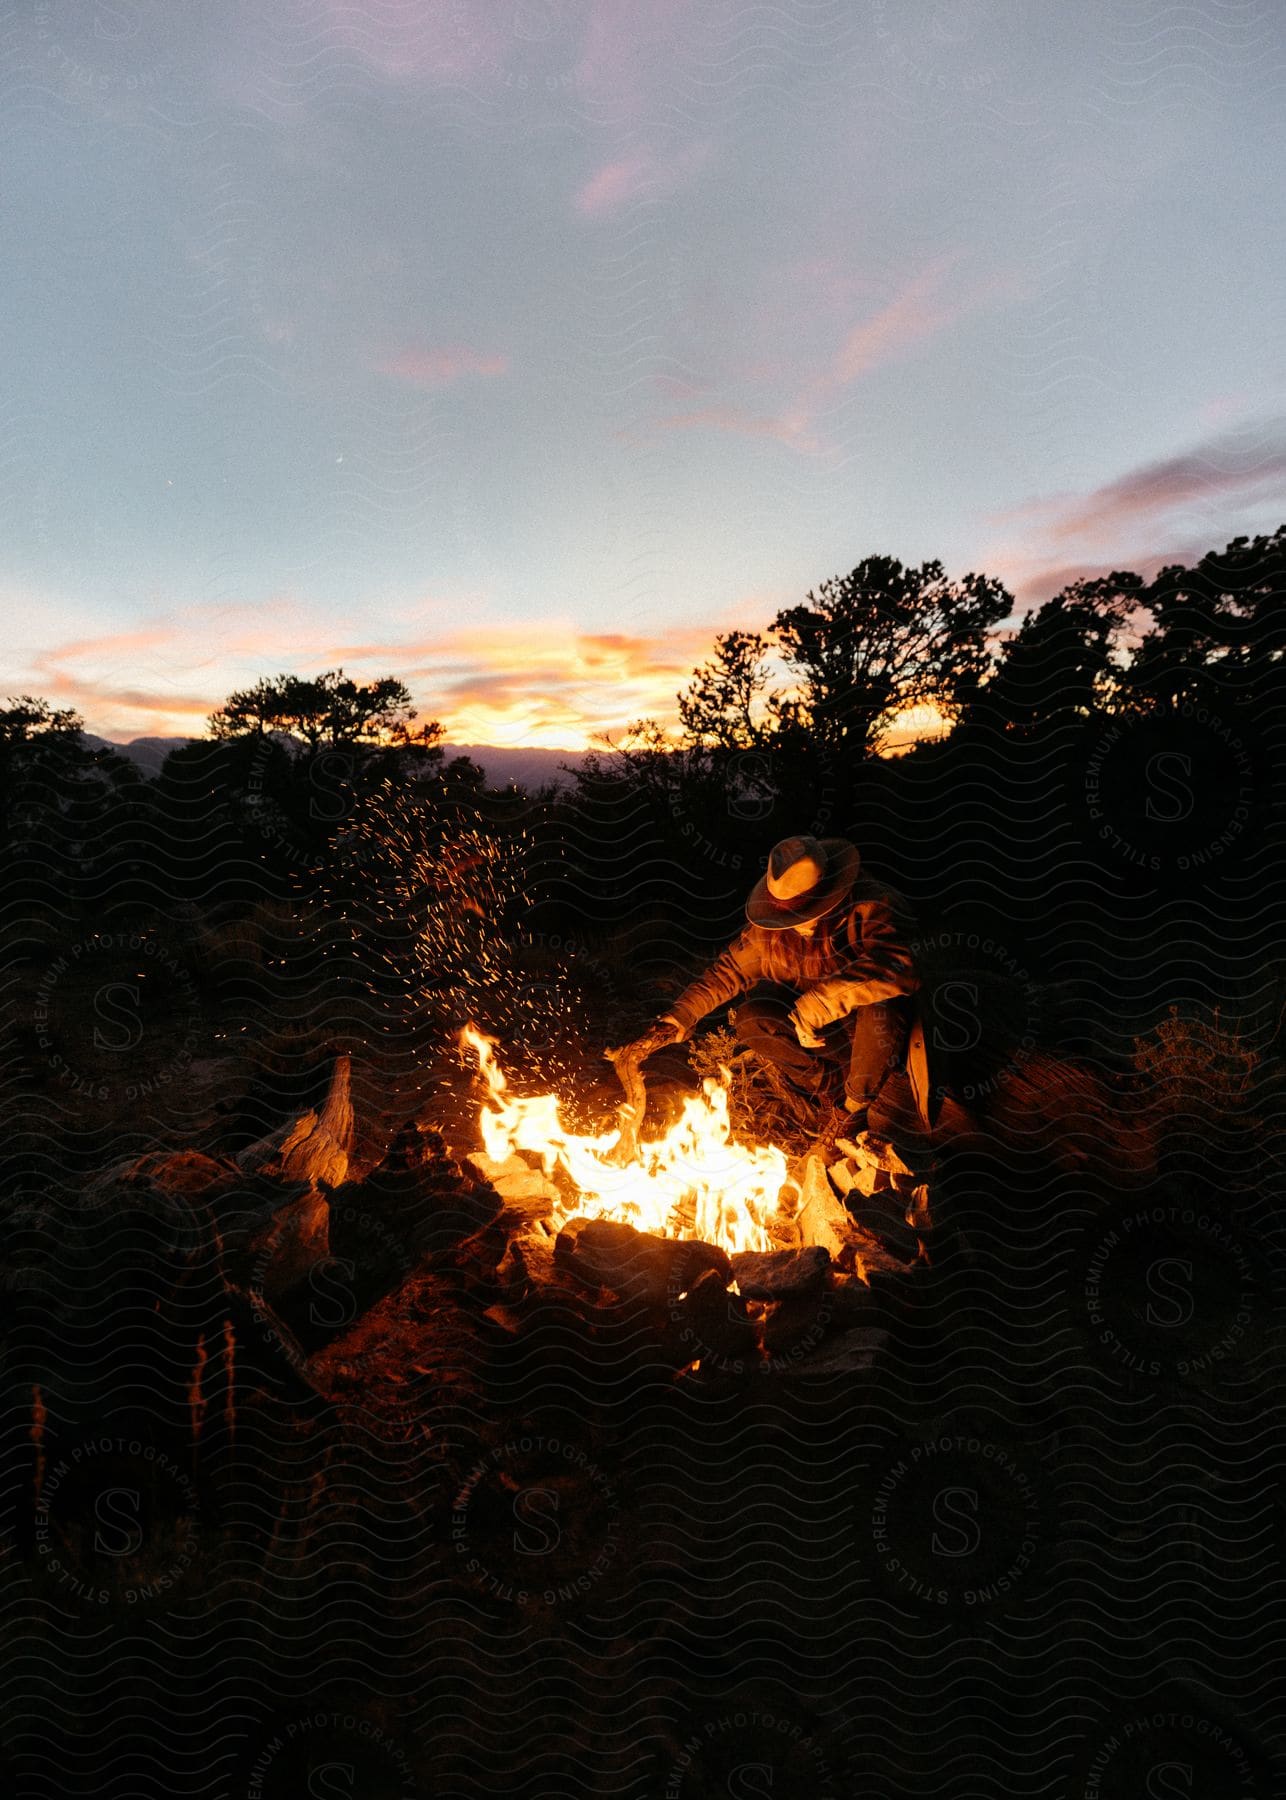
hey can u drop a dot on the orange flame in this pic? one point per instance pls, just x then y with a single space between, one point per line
694 1182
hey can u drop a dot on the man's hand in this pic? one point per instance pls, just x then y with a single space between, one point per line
656 1037
810 1015
806 1035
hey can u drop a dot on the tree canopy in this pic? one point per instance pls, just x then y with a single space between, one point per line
327 711
1061 664
867 646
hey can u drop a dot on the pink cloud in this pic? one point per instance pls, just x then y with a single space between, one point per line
1033 575
917 312
612 185
646 174
1170 510
435 368
1218 472
1224 474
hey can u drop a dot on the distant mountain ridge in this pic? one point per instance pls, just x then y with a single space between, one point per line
528 768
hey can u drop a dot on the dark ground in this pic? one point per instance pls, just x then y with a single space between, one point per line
469 1539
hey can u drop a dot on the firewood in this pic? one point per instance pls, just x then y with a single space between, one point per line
314 1147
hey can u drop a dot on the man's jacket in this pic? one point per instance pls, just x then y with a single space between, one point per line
865 957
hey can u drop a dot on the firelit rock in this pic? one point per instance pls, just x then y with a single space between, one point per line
713 1327
846 1352
415 1202
516 1182
796 1325
820 1217
776 1274
654 1270
883 1217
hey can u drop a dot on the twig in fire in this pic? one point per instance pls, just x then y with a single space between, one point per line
754 1109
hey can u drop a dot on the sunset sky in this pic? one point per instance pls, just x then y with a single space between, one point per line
516 347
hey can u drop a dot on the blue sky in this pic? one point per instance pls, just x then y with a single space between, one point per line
517 348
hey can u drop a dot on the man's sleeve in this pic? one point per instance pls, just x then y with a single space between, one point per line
881 967
731 973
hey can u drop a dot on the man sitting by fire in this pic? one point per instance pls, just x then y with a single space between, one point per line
829 974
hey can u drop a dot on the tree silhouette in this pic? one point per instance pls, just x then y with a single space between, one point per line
868 645
47 770
1060 665
729 704
327 711
1217 628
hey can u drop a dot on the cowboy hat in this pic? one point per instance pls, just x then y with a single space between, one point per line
806 878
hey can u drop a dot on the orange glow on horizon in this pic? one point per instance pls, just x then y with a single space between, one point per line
517 725
540 685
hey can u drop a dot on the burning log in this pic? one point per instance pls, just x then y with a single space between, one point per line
694 1182
634 1264
669 1230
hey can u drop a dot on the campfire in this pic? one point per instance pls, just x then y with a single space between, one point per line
743 1256
694 1182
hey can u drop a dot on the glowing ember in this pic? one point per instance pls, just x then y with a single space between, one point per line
694 1182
